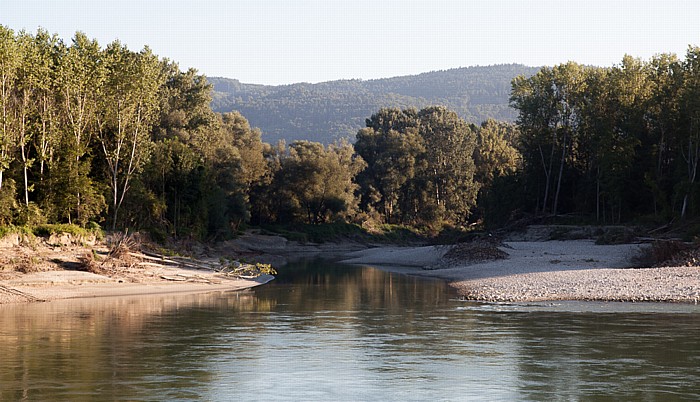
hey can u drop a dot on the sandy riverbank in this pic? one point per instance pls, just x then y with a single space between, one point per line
45 270
533 271
65 284
546 270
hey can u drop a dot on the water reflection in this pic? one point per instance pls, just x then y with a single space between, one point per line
121 349
331 332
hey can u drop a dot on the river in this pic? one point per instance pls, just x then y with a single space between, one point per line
330 332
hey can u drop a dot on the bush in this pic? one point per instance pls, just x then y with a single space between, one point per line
47 230
659 252
30 215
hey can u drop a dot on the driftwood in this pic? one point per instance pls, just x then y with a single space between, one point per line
187 278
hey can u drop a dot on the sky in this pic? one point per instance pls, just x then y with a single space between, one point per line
282 42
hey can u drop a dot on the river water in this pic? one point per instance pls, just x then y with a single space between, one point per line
331 332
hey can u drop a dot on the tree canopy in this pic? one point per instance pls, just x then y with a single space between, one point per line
109 136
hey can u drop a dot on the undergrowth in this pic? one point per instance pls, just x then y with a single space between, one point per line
46 230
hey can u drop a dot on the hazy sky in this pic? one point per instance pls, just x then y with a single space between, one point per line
281 42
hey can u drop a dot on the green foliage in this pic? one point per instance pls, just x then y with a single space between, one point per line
23 231
47 230
419 166
30 215
613 143
238 269
313 183
110 135
329 111
8 202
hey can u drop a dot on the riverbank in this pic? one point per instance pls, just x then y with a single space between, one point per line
532 270
48 270
545 270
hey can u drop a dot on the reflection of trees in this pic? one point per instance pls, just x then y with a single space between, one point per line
607 356
183 346
98 345
353 289
375 301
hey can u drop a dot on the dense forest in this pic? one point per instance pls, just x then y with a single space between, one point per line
107 136
610 144
328 111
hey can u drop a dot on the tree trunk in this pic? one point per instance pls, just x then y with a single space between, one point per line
547 176
561 172
597 196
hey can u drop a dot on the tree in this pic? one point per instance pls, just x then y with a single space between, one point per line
80 82
495 154
549 106
129 107
537 113
446 179
248 143
419 166
497 161
319 181
690 104
390 145
10 59
48 50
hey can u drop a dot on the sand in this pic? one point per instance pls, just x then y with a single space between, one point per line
63 284
533 271
547 270
55 271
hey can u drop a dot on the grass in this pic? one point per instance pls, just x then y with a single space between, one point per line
19 230
47 230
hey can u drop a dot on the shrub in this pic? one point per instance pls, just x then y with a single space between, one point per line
659 252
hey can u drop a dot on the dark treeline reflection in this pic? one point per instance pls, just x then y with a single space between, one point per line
354 288
126 349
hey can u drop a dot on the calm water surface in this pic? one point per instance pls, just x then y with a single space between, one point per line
328 332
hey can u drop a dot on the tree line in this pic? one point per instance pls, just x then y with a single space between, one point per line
92 135
610 144
123 139
111 136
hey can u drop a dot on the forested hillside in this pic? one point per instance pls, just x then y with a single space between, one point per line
331 110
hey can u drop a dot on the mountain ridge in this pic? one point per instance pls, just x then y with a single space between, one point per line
331 110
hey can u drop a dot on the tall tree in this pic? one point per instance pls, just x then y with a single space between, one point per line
48 48
537 114
129 106
662 114
390 145
319 181
10 59
29 83
80 82
690 104
495 154
447 177
549 106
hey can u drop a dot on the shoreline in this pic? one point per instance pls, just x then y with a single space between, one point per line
536 271
48 286
48 270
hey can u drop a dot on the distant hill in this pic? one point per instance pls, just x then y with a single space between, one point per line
328 111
